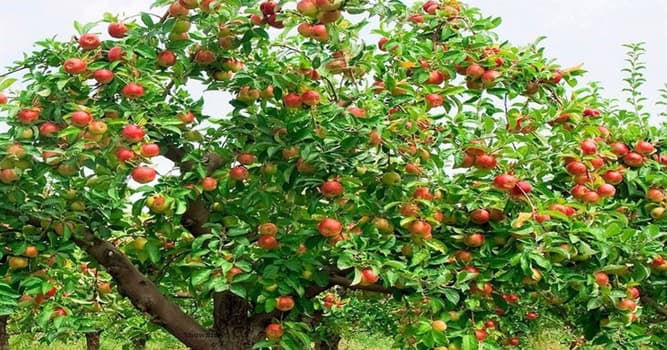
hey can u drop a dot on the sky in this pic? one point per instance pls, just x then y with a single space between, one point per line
577 31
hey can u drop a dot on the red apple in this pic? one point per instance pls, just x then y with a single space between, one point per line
475 71
643 147
319 33
588 146
292 100
633 159
368 277
166 58
267 242
133 133
474 240
274 332
267 229
330 227
619 148
606 190
28 116
480 216
505 182
132 91
310 98
116 53
204 57
332 188
48 129
3 99
103 76
613 177
75 66
576 168
144 174
627 305
81 118
284 303
150 150
117 30
89 41
490 77
238 173
655 195
601 279
485 161
124 154
307 8
434 100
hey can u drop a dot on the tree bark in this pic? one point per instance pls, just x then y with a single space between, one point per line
146 296
4 336
329 344
139 343
93 340
234 324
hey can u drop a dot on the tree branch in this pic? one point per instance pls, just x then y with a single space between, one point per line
145 295
654 304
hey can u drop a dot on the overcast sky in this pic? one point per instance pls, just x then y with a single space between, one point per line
588 31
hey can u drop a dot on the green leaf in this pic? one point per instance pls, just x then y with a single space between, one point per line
469 342
146 18
200 276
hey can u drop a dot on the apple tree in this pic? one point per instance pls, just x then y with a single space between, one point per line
365 149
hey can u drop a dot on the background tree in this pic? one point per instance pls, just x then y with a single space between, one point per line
450 172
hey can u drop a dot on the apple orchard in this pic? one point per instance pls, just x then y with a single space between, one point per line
463 190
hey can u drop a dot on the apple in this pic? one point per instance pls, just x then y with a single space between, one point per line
319 33
116 53
591 112
104 287
267 242
416 18
481 334
232 272
521 188
435 78
576 168
480 216
434 100
626 305
619 148
267 229
633 159
284 303
305 29
474 240
274 332
166 58
204 57
588 146
81 118
655 195
17 262
475 71
633 292
514 341
422 193
75 66
331 189
59 312
310 98
189 4
89 41
177 10
463 256
132 91
103 76
143 174
117 30
31 251
643 147
329 227
290 152
292 100
505 182
420 228
606 190
3 99
490 324
181 26
613 177
439 325
531 316
238 173
124 155
15 151
578 191
157 203
490 77
485 161
150 150
307 8
186 117
133 133
246 158
368 277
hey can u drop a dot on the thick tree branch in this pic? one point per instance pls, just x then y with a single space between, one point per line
145 295
645 299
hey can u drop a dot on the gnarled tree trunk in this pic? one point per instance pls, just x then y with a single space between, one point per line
233 322
4 336
93 340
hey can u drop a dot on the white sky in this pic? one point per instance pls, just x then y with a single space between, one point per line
588 31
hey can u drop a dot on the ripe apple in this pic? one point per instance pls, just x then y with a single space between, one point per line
485 161
267 229
144 174
420 228
633 292
157 203
103 76
514 341
186 117
3 99
204 57
576 168
132 91
177 10
8 176
633 159
329 227
626 305
31 251
116 53
189 4
124 155
480 216
81 118
474 240
166 58
267 242
475 71
150 150
307 8
619 148
331 189
434 100
613 177
490 77
117 30
319 33
643 147
274 332
368 277
655 195
133 133
481 334
232 272
601 279
89 41
531 316
75 66
209 184
310 98
505 182
104 287
238 173
59 312
588 146
606 190
284 303
292 100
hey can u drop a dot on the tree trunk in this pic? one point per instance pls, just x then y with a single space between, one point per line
139 343
4 336
93 340
330 344
233 322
